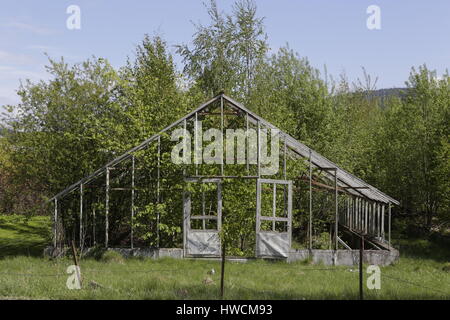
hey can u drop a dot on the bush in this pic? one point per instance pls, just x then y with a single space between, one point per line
446 267
96 252
112 256
322 241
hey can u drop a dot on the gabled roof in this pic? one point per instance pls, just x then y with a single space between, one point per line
353 184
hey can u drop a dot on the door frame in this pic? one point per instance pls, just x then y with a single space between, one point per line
273 218
187 216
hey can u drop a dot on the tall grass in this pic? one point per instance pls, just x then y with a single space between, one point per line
39 278
421 273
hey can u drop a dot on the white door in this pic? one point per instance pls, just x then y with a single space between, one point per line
202 206
273 218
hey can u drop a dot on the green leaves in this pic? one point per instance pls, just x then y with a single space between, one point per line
89 113
226 52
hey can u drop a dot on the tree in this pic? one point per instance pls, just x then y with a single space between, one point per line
226 52
413 145
289 92
64 128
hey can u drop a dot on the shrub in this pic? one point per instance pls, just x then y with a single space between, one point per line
446 267
112 256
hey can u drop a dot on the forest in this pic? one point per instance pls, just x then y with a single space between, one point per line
88 113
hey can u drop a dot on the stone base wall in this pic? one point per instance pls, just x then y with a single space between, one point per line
153 253
345 257
325 257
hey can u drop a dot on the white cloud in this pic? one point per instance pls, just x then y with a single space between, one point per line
15 74
55 52
38 30
8 101
13 69
14 58
41 47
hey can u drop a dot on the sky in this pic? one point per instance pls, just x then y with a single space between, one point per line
329 32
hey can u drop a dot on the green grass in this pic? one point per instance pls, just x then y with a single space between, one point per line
25 276
23 236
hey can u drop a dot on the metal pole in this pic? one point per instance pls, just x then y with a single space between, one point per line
196 145
358 213
81 216
75 260
348 213
310 201
284 159
222 271
203 210
221 126
93 223
184 147
259 149
378 220
158 173
366 214
55 223
107 208
132 201
389 227
336 218
274 205
258 212
248 144
186 209
351 213
373 229
382 222
285 175
361 275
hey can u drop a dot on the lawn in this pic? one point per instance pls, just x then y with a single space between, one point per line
21 236
422 273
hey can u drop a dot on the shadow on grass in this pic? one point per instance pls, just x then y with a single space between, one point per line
424 249
202 292
23 237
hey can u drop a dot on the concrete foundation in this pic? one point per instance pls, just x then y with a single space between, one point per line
152 253
325 257
345 257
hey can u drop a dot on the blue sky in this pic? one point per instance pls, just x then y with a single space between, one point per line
328 32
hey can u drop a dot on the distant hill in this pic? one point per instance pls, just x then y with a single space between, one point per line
385 93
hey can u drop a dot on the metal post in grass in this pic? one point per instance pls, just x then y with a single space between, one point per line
221 129
81 216
94 222
336 217
222 271
75 260
382 223
310 201
389 227
247 160
158 198
132 202
361 276
258 151
55 224
107 209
